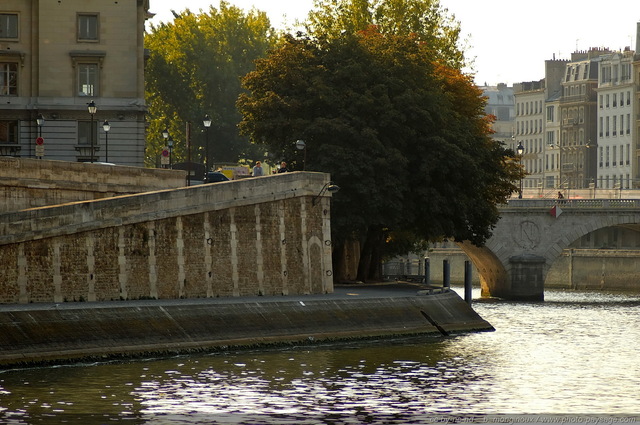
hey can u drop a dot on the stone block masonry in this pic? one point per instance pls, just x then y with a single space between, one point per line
258 236
41 333
31 183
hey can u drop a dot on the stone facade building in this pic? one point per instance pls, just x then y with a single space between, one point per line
615 127
56 57
501 104
529 124
578 119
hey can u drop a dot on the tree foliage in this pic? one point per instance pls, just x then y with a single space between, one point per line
194 68
401 132
425 20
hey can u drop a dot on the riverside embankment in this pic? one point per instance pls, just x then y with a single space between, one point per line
66 332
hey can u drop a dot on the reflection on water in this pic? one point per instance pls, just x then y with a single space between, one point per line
576 353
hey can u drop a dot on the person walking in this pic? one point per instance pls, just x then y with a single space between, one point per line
283 167
257 169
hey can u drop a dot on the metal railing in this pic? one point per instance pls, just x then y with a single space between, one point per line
574 203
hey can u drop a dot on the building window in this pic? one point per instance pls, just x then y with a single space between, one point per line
84 133
8 79
628 153
601 156
601 126
8 25
87 79
87 27
8 132
621 155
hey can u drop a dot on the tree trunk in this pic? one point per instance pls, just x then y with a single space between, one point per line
346 257
370 265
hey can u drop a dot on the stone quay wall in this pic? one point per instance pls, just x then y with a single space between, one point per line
577 268
257 236
40 333
31 183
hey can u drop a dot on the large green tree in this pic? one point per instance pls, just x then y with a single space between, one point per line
402 133
425 20
194 68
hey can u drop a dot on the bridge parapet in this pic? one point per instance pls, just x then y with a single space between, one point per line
572 203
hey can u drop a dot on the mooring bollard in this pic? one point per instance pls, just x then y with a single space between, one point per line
446 274
427 271
467 282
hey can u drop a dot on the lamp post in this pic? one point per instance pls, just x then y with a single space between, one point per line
165 136
520 151
207 123
106 127
92 111
302 146
39 139
40 122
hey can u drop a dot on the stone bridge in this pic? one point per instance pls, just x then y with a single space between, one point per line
257 236
531 235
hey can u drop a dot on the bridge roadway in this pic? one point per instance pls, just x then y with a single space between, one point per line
532 233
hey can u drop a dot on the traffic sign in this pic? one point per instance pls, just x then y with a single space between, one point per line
164 158
39 141
40 150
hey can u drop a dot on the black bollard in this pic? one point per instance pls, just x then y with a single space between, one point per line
467 282
446 274
427 271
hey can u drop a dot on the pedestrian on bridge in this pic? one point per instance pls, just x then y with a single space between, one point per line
257 169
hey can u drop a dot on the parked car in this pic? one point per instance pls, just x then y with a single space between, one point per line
215 177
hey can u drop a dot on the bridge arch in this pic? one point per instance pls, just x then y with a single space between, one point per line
532 234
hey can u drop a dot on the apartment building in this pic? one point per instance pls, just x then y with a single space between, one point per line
578 118
616 100
529 130
501 104
72 80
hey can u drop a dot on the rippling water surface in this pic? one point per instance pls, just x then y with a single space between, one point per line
575 354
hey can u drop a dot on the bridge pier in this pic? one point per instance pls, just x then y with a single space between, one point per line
527 278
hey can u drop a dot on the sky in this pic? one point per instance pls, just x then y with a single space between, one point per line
507 40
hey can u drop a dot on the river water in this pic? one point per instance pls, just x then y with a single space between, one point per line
576 357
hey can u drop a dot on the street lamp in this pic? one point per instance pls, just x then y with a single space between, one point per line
106 127
92 111
40 122
328 187
40 140
165 136
520 151
207 123
302 146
